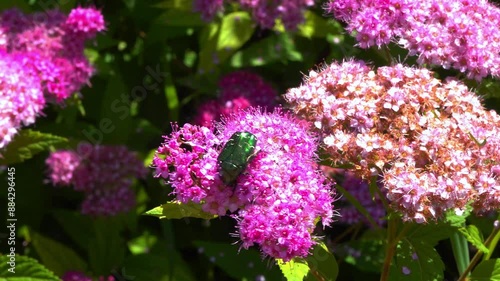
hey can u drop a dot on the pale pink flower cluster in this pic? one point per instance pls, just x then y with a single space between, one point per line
459 34
433 141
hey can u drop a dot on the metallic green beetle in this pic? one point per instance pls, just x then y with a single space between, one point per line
235 155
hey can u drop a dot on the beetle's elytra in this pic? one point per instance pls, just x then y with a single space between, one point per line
235 155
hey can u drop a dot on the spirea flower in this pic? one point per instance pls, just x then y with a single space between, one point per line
208 8
54 45
264 12
435 144
279 196
238 90
21 97
104 173
62 165
85 21
459 34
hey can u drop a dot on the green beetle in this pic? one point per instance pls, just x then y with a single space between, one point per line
235 155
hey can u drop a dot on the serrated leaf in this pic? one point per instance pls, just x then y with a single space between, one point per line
430 233
25 269
457 220
56 256
239 264
177 210
26 144
416 262
294 270
473 235
322 264
488 270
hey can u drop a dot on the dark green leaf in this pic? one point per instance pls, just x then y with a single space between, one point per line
26 144
177 210
488 270
26 269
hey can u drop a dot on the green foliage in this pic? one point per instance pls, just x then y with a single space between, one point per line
26 144
240 264
26 269
486 270
176 210
157 62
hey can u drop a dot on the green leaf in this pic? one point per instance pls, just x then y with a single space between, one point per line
177 210
78 227
155 267
142 244
219 41
294 270
488 270
25 269
416 261
317 26
322 264
106 247
416 258
365 254
56 256
457 220
275 48
26 144
241 265
474 236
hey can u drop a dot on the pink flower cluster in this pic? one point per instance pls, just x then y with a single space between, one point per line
80 276
21 97
278 197
434 142
460 34
103 173
264 12
238 90
52 45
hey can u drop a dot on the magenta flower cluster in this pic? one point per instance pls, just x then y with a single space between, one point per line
434 143
275 201
80 276
21 97
460 34
264 12
52 45
238 90
104 173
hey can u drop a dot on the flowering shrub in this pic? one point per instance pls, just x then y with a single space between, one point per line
276 200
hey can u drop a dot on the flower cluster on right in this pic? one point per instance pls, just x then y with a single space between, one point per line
433 141
454 34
